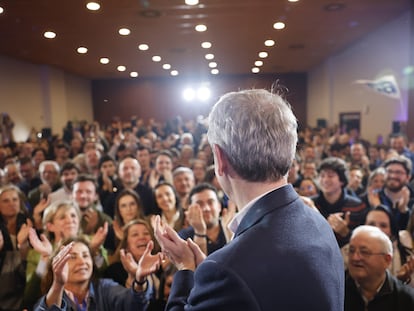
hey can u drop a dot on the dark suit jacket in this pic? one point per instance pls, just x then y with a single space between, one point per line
284 257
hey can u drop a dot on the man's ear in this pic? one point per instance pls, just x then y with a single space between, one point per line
221 160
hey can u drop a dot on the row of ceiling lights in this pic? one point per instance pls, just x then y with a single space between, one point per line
94 6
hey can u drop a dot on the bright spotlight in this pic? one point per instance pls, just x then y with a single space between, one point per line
188 94
203 93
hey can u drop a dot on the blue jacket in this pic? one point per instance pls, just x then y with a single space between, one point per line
284 257
104 295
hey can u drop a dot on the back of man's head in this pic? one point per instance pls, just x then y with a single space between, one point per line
257 131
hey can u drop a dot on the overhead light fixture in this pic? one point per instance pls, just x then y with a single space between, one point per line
263 54
269 42
206 45
156 58
201 28
209 56
93 6
143 47
104 60
279 25
191 2
121 68
1 10
124 31
82 50
133 74
258 63
166 66
215 71
49 34
174 72
255 70
212 64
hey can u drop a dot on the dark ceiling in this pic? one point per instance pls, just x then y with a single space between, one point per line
237 29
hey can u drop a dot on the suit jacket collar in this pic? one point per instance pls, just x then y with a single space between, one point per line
265 205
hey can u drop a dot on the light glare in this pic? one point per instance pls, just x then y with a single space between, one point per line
93 6
121 68
82 50
269 42
50 34
206 45
156 58
104 60
279 25
124 31
143 47
263 54
133 74
201 28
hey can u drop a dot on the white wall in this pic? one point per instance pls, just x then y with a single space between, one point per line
331 89
41 96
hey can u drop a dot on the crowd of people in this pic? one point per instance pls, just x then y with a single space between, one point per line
100 218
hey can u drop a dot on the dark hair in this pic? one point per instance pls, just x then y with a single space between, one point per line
47 280
68 166
200 188
132 193
337 165
106 158
210 174
404 251
86 177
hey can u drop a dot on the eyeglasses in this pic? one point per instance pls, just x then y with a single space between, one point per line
398 173
364 253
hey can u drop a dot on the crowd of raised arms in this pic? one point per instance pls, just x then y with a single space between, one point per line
78 209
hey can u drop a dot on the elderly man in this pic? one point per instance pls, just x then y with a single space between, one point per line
49 174
184 181
283 255
370 286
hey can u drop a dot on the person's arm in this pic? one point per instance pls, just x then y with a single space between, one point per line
195 219
60 276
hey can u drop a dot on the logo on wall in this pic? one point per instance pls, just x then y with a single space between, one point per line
386 85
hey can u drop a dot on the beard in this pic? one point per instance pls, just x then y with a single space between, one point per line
394 187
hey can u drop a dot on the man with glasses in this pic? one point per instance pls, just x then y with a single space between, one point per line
396 194
370 286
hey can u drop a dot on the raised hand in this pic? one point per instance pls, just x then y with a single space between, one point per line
99 237
175 248
42 245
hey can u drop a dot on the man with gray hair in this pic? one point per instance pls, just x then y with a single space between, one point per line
184 182
370 286
283 255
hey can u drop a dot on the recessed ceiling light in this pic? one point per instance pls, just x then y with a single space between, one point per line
209 56
263 54
293 0
201 28
49 35
212 64
166 66
1 10
82 50
121 68
258 63
156 58
279 25
270 42
174 72
93 6
143 47
124 31
191 2
104 60
206 45
215 71
133 74
255 70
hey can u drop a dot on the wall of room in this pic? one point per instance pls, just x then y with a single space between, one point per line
162 98
331 87
37 96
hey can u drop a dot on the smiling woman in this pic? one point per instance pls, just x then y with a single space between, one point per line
72 285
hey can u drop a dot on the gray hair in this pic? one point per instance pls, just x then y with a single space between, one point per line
43 164
257 130
376 233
